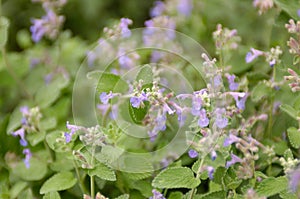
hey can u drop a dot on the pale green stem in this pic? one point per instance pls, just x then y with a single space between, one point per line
197 176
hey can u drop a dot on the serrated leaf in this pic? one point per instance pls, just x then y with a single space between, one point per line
146 75
51 195
36 171
289 6
103 172
288 154
137 176
58 182
4 24
287 194
138 114
272 186
182 177
110 82
289 110
214 195
294 137
259 91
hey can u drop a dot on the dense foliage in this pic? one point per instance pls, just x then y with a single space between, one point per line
202 101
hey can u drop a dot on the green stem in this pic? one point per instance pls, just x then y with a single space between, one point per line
92 180
92 187
197 176
270 123
80 180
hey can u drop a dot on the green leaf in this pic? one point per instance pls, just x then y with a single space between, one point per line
110 82
48 123
259 91
287 194
179 177
36 171
146 75
294 137
17 189
56 141
14 120
175 195
103 172
51 195
35 138
214 195
272 186
289 6
289 110
124 196
138 114
58 182
4 24
49 93
26 194
144 187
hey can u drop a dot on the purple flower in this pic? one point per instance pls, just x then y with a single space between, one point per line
230 140
221 121
158 9
240 103
180 113
217 80
192 153
185 7
68 137
124 27
24 110
48 25
167 109
160 122
294 179
125 61
136 101
157 195
196 103
21 133
156 56
72 127
28 155
272 62
253 54
213 155
232 85
298 12
104 97
234 159
210 171
203 120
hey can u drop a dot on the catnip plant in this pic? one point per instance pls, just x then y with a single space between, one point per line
201 101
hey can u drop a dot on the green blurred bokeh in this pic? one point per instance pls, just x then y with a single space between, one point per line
84 18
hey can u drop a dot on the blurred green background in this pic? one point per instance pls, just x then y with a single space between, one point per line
85 18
